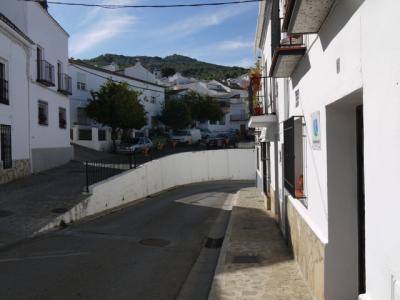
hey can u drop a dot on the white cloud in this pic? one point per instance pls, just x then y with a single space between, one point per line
199 22
100 25
245 63
230 45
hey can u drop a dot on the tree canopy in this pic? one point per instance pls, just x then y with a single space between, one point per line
168 71
180 113
117 106
176 114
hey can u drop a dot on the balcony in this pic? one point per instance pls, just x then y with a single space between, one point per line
4 92
64 84
239 117
45 74
287 56
305 16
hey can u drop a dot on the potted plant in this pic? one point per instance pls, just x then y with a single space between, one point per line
255 78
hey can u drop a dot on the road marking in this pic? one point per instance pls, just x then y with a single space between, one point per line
14 259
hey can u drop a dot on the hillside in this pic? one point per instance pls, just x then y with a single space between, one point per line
187 66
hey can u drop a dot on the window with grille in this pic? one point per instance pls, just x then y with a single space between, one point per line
43 113
5 146
293 151
62 118
3 85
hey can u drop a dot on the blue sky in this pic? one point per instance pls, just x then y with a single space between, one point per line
222 34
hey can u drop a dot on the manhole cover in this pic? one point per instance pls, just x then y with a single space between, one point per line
154 242
5 213
214 243
245 259
59 210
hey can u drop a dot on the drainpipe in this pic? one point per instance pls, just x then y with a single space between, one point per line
28 68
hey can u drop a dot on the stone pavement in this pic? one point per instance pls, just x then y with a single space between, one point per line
255 261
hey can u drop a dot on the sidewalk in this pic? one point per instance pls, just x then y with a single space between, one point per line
255 262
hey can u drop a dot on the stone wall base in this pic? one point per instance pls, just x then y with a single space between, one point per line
308 251
21 168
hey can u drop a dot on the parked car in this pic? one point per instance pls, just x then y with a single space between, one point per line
215 140
186 136
136 145
205 133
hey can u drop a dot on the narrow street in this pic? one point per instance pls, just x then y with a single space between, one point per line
145 251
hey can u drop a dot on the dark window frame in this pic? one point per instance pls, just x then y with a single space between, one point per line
41 121
62 122
291 183
6 146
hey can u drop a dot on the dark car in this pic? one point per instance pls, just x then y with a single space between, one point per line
216 140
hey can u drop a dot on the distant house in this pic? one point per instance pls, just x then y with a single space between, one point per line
234 103
34 90
87 78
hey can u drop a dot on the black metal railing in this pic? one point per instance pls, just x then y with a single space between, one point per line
4 92
64 84
100 170
46 73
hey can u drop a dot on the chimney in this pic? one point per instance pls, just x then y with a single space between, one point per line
44 4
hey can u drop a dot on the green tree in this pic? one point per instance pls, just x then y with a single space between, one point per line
118 107
168 71
203 108
176 114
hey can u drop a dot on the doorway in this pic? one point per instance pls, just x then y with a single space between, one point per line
344 253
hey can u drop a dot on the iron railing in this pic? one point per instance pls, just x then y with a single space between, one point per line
64 84
4 92
5 146
46 73
100 170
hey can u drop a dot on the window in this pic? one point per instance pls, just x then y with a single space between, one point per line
81 86
3 84
43 113
71 134
102 135
213 122
85 134
5 146
81 82
153 99
293 153
62 118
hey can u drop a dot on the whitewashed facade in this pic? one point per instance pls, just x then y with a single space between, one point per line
87 78
331 130
34 87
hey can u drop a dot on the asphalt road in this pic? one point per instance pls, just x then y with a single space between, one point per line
105 258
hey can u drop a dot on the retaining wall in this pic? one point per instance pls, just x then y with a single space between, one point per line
162 174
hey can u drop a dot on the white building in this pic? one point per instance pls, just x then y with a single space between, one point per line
87 78
33 54
333 141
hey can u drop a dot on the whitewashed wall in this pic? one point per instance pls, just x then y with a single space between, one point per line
14 53
162 174
96 78
380 50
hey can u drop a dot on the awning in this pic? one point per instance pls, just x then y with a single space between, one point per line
263 121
